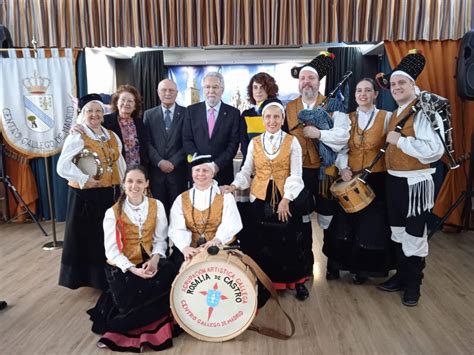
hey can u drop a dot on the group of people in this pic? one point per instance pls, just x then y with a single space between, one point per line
117 236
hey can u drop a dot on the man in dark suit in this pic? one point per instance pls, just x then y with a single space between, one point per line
164 124
212 127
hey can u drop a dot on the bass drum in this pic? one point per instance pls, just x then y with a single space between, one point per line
214 297
353 195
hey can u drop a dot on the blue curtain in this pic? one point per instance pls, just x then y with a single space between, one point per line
59 189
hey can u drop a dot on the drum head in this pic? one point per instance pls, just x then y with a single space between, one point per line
213 300
89 163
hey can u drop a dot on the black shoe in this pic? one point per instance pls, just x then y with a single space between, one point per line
359 280
332 274
302 292
393 284
3 305
411 298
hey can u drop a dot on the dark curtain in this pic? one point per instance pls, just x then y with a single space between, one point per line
350 59
81 74
385 100
148 71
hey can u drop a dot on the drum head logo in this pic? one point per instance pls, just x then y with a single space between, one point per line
214 300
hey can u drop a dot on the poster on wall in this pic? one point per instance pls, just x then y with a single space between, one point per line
237 78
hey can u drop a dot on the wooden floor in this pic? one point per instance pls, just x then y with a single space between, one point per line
338 318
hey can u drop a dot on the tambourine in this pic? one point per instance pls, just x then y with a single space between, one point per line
89 163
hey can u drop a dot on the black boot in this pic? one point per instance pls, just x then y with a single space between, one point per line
332 272
395 283
357 279
302 292
415 266
3 305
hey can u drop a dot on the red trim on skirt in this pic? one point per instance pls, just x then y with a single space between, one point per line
156 336
289 285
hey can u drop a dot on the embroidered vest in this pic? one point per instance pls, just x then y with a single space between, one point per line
132 244
107 151
311 157
208 229
364 146
278 168
395 159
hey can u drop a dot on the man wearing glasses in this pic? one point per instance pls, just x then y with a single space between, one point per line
212 127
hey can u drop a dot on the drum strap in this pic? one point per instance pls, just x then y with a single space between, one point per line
265 280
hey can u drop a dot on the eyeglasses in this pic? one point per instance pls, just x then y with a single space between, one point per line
213 87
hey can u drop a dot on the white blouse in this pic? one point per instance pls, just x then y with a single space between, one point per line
230 225
72 146
137 215
293 183
364 122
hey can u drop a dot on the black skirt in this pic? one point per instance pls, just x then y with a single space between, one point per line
283 251
83 257
360 242
132 302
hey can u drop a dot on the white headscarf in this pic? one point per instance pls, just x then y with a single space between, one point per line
81 117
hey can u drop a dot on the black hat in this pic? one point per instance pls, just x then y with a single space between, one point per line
272 102
322 64
412 64
83 101
196 159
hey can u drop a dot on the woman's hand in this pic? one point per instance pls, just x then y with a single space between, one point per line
393 137
189 252
284 210
91 183
140 272
151 266
228 189
210 243
346 174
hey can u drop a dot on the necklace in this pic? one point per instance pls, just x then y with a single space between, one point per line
362 134
108 151
274 147
202 232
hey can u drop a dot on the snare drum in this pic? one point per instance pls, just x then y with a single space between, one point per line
214 297
353 195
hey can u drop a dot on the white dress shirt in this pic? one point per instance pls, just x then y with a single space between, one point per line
293 183
230 225
72 146
137 215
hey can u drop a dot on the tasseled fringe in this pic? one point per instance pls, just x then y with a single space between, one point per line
420 197
324 186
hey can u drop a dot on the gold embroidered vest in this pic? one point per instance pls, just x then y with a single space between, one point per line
395 159
108 153
132 244
364 146
278 168
311 157
199 226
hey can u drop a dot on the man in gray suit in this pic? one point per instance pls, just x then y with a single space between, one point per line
164 124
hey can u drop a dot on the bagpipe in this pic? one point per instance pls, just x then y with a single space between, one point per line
319 117
355 194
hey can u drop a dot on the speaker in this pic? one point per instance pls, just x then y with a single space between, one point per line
465 67
5 38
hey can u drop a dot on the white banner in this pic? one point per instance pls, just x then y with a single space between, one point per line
36 104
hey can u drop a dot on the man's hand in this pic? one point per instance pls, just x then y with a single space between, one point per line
312 132
166 166
393 137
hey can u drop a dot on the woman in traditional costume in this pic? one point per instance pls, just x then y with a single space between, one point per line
83 257
135 311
